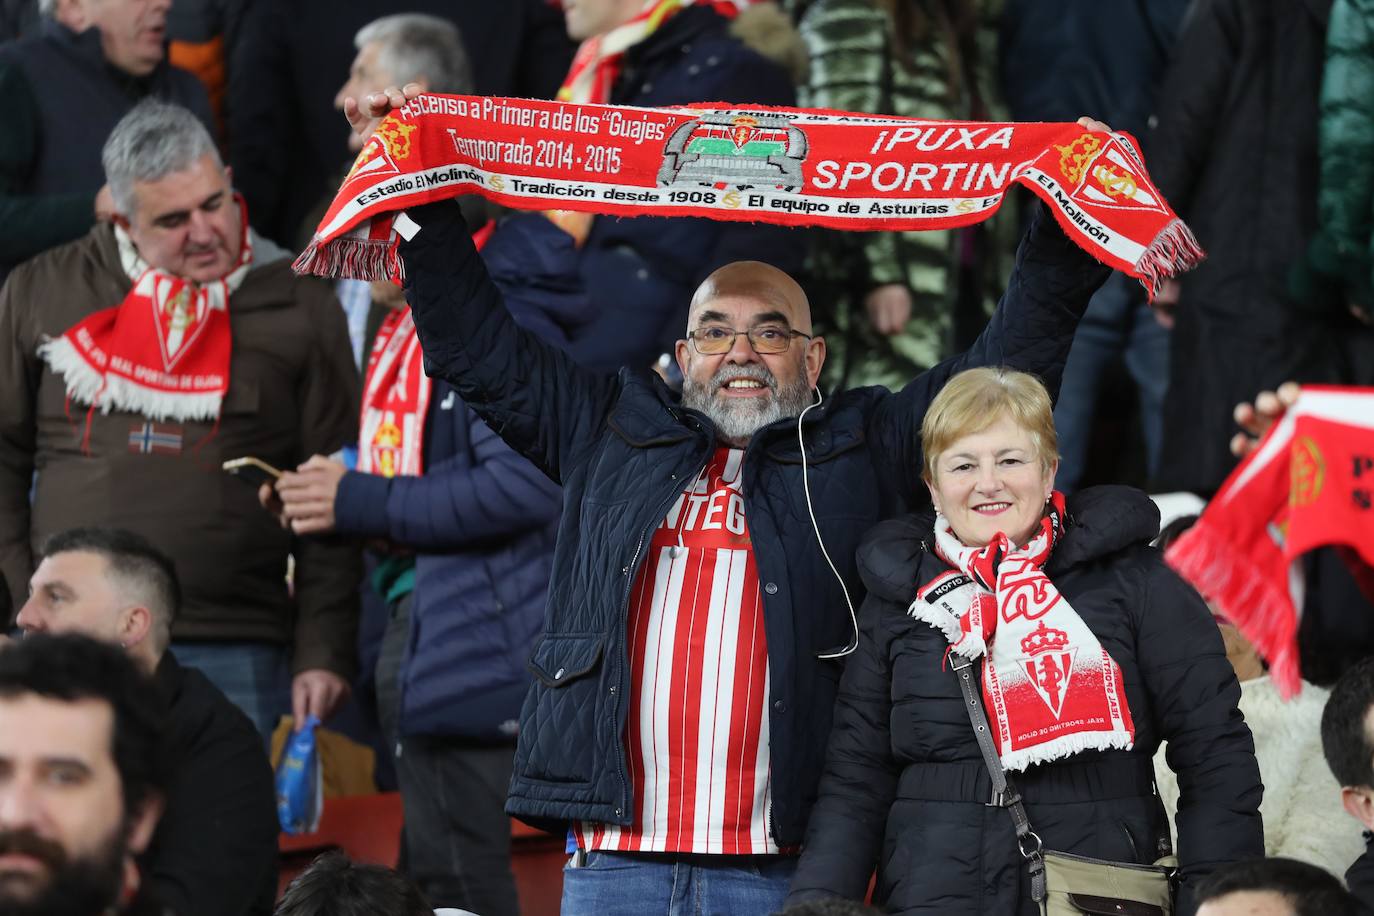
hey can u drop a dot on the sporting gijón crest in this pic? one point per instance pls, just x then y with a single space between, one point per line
1048 660
180 314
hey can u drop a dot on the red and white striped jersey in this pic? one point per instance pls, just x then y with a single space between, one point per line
696 738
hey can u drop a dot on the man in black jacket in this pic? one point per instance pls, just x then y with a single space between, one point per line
215 849
65 89
705 558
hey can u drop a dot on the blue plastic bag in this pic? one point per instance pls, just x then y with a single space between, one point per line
300 786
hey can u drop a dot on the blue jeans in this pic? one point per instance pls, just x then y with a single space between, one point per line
255 676
633 884
1117 324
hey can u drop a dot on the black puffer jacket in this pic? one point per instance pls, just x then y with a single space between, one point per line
1235 153
905 788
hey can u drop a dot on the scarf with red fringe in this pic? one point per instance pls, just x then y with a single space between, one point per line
163 352
777 165
1050 688
1309 483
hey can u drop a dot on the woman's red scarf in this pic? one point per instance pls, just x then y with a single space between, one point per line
1050 688
746 163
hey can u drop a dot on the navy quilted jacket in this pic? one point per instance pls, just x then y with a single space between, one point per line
482 521
623 448
906 789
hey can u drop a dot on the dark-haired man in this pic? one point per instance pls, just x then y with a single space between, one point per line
215 850
1349 753
81 778
1273 887
334 885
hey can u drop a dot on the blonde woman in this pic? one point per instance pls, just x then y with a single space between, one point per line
1089 651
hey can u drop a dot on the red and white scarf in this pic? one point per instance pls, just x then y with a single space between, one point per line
776 165
395 401
396 395
1308 484
163 352
1050 688
598 60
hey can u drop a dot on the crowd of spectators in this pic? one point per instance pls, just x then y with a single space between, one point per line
446 533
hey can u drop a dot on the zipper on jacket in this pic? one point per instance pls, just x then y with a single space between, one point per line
629 573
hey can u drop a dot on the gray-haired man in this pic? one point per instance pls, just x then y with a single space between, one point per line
133 363
392 51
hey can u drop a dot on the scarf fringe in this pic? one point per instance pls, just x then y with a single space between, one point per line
1174 251
84 384
1066 746
163 406
1222 571
349 258
108 393
971 646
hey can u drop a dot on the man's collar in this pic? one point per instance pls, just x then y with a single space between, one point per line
681 28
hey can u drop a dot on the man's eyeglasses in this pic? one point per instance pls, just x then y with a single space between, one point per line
713 340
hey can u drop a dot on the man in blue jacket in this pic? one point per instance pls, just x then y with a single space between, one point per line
470 534
704 576
468 527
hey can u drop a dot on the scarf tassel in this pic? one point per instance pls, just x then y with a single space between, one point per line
84 383
1173 252
107 393
349 258
1225 574
1065 746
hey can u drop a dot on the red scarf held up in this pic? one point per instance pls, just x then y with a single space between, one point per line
778 165
1050 688
1309 483
396 395
163 352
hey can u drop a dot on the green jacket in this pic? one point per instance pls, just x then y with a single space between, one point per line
855 66
1344 245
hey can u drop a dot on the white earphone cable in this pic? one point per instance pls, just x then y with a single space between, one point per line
806 488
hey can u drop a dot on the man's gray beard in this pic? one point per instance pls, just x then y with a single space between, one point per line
737 419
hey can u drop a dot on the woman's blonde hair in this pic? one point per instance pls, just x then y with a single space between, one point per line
977 398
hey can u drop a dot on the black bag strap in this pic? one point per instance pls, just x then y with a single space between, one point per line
1004 794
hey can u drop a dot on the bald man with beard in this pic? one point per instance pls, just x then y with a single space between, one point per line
704 580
